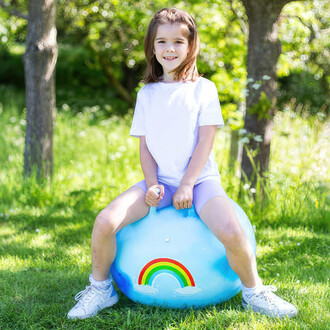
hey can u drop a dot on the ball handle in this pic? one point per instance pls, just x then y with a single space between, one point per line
153 209
186 212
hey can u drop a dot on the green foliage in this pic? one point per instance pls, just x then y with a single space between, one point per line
77 68
303 67
303 31
305 92
12 28
45 231
223 52
11 68
80 81
115 31
261 109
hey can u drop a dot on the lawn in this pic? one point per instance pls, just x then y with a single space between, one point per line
45 231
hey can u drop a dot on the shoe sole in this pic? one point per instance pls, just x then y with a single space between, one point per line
262 311
113 300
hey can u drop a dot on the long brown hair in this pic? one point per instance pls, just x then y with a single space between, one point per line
187 70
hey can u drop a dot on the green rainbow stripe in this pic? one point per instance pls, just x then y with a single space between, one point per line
166 265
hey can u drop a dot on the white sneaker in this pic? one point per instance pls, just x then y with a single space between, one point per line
91 301
266 302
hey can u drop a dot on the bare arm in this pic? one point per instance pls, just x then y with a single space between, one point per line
148 164
184 195
149 169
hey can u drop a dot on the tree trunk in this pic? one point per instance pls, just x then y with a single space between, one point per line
264 48
39 66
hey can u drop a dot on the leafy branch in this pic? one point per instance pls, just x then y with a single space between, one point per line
13 11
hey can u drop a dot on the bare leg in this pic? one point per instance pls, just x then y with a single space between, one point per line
123 210
220 216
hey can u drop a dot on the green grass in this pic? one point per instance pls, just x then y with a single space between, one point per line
45 231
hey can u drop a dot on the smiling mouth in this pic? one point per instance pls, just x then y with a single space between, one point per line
169 58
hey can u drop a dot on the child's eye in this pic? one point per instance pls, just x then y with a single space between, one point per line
161 42
179 42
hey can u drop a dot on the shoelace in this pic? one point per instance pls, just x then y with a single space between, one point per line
265 294
83 295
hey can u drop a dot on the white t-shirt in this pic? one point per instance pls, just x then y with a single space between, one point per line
169 115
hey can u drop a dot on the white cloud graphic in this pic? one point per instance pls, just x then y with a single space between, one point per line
145 289
188 290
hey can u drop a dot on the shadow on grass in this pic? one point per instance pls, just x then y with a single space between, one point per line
40 295
302 257
72 228
43 298
46 241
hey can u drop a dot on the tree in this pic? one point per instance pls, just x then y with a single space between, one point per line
264 49
39 66
304 65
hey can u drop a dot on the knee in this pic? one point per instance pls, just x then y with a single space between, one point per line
233 236
105 224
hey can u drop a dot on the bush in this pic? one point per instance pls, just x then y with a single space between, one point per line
79 80
75 68
11 68
304 89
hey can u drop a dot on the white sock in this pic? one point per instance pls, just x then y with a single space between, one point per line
255 290
103 285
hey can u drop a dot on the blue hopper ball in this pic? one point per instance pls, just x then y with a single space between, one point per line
171 259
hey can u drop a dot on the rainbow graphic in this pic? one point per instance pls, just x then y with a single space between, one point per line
164 265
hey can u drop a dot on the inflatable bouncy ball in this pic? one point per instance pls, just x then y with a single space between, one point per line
171 259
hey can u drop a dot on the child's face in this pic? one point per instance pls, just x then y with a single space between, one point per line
171 46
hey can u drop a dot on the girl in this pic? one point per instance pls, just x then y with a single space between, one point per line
176 116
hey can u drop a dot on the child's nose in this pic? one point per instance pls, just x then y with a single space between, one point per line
170 48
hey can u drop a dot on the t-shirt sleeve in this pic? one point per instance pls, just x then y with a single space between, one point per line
210 111
138 123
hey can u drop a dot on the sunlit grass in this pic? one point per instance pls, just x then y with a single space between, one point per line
45 230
